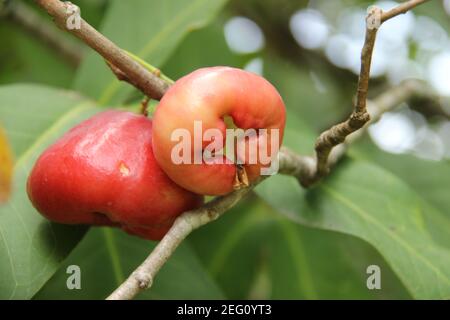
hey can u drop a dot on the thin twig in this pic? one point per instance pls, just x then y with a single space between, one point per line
301 167
401 9
149 83
337 134
144 106
142 277
387 101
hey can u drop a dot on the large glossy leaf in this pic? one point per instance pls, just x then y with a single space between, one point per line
428 178
362 199
31 247
107 256
366 201
150 29
255 253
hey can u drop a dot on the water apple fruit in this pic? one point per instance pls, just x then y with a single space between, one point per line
103 172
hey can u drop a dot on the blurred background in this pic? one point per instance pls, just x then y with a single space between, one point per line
309 49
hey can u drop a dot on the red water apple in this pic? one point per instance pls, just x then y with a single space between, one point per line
202 102
103 172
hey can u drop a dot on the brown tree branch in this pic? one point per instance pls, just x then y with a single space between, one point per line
142 277
304 166
401 9
337 134
149 83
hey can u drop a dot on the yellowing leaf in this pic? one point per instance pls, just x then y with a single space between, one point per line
6 166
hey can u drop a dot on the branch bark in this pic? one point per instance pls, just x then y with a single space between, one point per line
149 83
142 277
337 134
385 102
401 9
303 166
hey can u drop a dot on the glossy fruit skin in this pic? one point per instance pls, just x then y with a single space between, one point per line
103 172
208 95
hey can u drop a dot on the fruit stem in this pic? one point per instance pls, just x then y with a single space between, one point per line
144 106
150 68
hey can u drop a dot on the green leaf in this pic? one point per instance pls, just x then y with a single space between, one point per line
27 112
107 256
363 200
427 177
254 253
320 207
32 247
150 29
